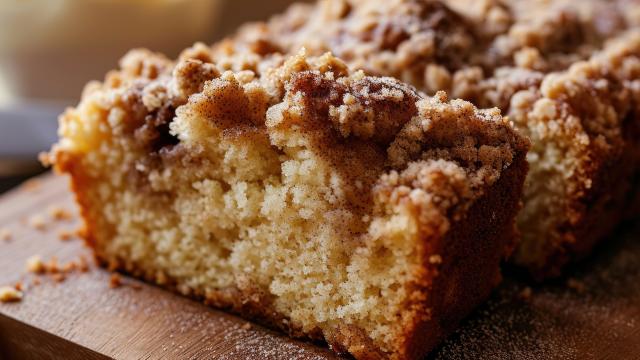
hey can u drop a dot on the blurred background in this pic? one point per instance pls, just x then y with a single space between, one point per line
50 48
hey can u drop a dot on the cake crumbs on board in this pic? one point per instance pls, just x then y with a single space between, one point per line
52 266
31 185
59 213
58 272
66 235
10 294
37 222
5 234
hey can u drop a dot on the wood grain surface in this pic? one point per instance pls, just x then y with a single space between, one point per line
593 313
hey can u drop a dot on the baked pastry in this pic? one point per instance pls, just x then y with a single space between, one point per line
531 59
312 198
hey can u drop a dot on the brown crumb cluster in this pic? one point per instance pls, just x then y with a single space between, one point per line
483 51
115 281
31 185
66 235
37 222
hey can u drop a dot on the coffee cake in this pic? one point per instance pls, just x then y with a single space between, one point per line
296 192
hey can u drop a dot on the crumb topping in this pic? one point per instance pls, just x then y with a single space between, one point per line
459 46
66 235
390 122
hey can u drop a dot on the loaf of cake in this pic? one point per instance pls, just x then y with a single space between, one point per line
298 193
564 71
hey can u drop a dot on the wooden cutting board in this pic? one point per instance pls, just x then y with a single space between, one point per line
594 313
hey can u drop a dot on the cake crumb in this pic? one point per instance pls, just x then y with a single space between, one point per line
576 285
31 185
5 234
435 259
19 286
35 281
35 265
83 265
115 281
66 235
246 326
525 294
10 294
37 222
69 267
58 277
59 213
52 266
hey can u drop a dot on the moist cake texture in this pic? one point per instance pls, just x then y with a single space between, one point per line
562 70
297 192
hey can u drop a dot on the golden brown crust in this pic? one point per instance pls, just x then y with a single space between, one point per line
450 45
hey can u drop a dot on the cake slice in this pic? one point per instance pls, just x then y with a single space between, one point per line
306 196
584 124
564 72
